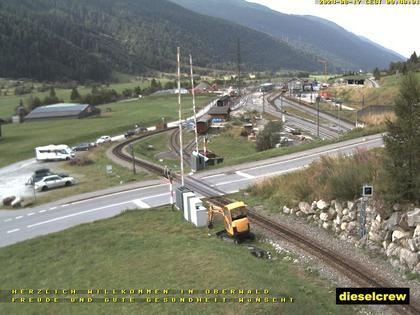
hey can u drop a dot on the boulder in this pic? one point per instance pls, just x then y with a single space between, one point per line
414 244
352 215
351 226
299 213
398 235
375 237
321 204
378 218
338 207
326 225
350 205
345 218
393 221
392 250
305 208
27 201
331 213
375 226
417 231
413 217
16 202
396 207
385 244
343 226
324 216
337 220
286 210
345 211
313 205
403 224
417 268
409 258
8 200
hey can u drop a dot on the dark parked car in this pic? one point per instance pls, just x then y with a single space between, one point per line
129 133
82 147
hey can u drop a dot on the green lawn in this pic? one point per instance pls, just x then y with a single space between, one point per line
9 102
160 144
230 145
157 249
19 140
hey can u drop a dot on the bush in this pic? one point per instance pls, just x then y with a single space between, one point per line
81 161
339 178
269 136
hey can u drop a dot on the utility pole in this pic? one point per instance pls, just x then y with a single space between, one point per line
338 116
263 102
239 65
194 110
317 116
181 147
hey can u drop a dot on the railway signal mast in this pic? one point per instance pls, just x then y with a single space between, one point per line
181 147
325 63
194 109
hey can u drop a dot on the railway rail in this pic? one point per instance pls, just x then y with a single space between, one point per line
354 271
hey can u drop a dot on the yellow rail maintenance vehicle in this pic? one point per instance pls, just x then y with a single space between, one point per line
235 218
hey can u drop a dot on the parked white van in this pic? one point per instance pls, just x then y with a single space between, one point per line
54 152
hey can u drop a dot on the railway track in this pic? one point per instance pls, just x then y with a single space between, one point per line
345 265
174 146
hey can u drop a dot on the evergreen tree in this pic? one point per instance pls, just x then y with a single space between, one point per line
403 142
74 94
377 74
413 58
269 136
52 92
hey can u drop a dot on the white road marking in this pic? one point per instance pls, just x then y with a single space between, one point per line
115 194
141 204
77 213
19 217
310 155
53 208
8 220
245 175
231 182
42 211
154 196
29 214
211 176
260 176
12 231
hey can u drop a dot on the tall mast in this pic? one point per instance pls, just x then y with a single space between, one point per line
181 148
193 100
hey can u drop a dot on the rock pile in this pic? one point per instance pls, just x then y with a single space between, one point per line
397 237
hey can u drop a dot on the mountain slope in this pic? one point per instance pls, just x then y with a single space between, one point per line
308 33
86 39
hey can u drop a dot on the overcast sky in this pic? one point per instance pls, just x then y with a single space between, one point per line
396 27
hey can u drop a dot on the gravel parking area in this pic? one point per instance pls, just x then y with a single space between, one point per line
14 177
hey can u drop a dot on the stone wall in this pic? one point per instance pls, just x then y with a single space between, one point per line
396 237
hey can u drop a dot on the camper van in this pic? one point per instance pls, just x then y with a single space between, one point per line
54 152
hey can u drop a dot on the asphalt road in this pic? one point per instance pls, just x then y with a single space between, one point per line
304 124
312 111
19 225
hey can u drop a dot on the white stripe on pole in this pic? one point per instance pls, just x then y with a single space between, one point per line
193 100
181 148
